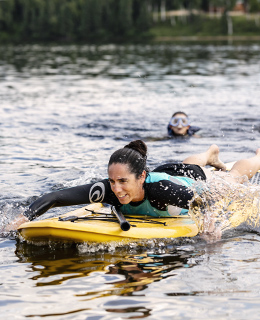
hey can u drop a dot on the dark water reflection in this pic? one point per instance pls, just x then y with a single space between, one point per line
122 274
70 262
117 62
64 109
134 283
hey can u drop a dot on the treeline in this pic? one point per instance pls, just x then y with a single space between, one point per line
94 20
74 20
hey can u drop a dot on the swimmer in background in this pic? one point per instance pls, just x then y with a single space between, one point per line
179 125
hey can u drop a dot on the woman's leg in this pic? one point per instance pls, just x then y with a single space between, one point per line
247 167
210 157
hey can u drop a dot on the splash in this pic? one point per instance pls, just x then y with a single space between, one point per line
219 205
8 213
160 245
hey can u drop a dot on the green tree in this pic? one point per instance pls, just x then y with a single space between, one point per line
7 14
91 18
125 17
142 15
253 5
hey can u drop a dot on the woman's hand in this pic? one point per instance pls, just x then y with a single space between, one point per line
40 206
16 223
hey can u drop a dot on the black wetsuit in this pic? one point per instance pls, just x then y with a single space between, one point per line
167 193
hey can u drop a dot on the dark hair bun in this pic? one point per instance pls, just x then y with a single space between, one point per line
138 145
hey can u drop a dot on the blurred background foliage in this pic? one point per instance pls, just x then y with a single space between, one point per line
95 21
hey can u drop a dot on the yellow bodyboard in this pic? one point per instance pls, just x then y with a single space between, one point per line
104 228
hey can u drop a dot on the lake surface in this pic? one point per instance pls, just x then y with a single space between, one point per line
64 110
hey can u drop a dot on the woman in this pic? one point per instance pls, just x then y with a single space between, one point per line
164 192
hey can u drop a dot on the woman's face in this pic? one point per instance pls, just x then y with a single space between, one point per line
124 184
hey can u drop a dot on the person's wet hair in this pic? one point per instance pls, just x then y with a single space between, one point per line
134 155
180 112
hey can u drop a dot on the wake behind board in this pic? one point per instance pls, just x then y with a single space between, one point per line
84 225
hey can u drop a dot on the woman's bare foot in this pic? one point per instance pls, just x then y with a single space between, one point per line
213 158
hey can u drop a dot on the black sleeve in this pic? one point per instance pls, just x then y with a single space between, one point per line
192 130
164 193
89 193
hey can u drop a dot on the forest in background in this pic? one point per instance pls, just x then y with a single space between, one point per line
99 21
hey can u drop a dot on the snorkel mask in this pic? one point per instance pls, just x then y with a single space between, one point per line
176 121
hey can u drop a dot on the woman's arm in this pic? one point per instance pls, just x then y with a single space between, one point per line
165 192
94 192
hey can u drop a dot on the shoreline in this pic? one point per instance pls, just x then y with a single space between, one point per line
206 38
153 39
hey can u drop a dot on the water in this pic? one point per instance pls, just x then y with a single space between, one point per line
64 110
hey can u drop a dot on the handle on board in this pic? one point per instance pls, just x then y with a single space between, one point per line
124 225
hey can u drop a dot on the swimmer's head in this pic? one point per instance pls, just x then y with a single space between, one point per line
179 123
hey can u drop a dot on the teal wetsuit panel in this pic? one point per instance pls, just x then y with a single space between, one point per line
157 176
146 208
